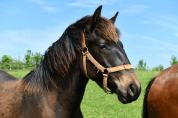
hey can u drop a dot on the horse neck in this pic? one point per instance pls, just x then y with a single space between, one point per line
68 94
72 88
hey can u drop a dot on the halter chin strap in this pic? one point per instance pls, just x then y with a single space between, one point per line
105 71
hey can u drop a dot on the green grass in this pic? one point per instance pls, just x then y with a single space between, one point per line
97 104
18 74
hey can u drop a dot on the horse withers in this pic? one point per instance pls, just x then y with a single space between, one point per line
161 97
88 48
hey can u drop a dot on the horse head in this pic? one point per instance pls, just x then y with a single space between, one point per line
101 41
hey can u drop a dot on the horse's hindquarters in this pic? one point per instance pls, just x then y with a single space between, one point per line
162 99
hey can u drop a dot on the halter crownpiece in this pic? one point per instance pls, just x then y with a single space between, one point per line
105 71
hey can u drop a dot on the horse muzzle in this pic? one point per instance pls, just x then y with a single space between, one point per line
132 93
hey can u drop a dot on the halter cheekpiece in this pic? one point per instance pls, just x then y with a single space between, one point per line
105 71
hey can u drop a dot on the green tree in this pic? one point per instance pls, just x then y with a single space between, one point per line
142 65
31 58
28 57
37 58
173 60
158 68
6 59
161 67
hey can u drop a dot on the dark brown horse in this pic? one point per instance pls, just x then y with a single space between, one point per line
161 98
55 89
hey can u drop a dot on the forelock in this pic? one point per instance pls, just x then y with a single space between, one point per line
107 30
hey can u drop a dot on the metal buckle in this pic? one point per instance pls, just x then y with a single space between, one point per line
106 71
85 50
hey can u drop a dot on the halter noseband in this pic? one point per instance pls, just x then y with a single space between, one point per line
105 71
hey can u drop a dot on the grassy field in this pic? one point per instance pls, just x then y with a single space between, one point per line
97 104
18 74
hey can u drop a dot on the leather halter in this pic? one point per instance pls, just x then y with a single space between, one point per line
105 71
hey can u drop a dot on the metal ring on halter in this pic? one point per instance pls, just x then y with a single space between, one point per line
84 50
106 71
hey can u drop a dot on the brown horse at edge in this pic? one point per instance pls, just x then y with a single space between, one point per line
161 97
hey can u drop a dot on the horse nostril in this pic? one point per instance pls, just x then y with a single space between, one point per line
131 89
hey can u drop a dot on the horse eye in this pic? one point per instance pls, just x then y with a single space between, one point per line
102 46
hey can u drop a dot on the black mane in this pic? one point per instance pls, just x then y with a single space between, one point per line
58 58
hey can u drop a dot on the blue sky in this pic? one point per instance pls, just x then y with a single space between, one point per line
149 28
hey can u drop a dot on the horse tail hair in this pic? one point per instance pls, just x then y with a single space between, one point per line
145 111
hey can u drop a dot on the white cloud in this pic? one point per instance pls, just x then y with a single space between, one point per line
145 22
4 46
165 24
16 41
44 5
49 9
146 44
134 9
163 21
169 23
90 3
160 42
81 4
168 18
40 2
176 34
153 48
167 56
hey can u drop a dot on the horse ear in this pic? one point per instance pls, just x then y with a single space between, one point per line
113 19
94 19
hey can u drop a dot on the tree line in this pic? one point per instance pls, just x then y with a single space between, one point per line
31 58
143 66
